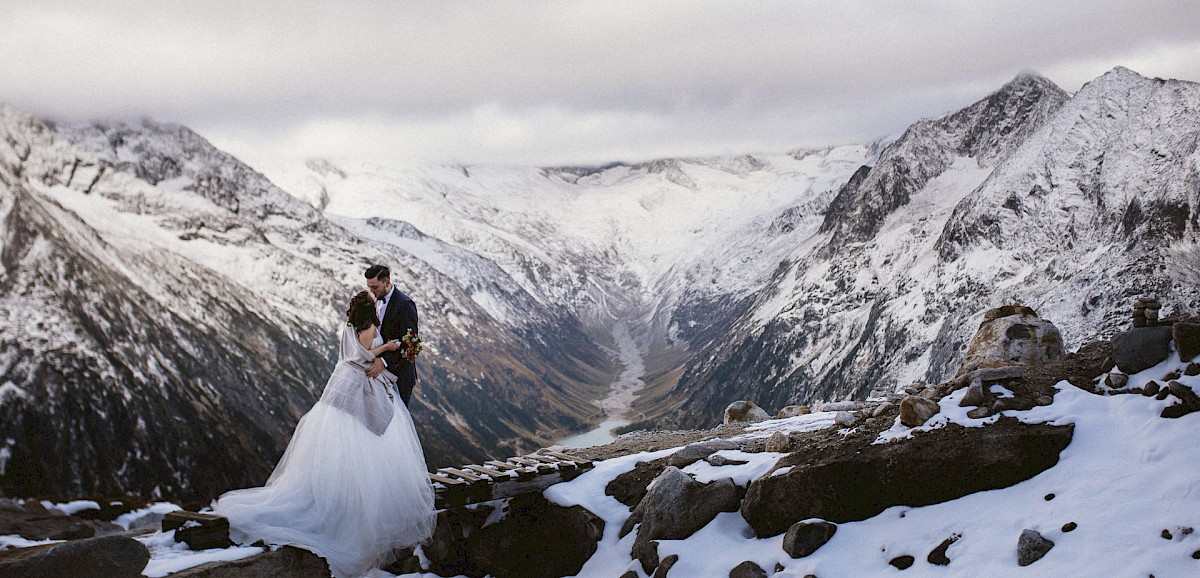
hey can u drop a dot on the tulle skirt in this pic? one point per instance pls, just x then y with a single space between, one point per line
340 491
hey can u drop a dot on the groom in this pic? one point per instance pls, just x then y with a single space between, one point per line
397 314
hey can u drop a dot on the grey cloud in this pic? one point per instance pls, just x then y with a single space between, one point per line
709 74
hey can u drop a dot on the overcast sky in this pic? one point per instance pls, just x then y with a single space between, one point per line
569 82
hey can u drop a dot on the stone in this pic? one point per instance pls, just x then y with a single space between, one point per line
1166 535
1139 349
1173 374
915 411
1151 388
199 531
630 487
1192 369
902 562
286 561
979 413
744 412
974 396
1189 402
1116 380
1162 391
536 538
407 562
665 566
844 419
829 484
883 409
993 374
1011 335
1186 335
720 460
102 557
747 569
840 406
676 506
804 538
646 553
1044 400
691 454
1031 546
932 393
793 411
33 521
1069 527
631 574
778 442
938 556
1006 404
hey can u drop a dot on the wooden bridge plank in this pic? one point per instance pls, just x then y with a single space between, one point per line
447 481
491 473
468 476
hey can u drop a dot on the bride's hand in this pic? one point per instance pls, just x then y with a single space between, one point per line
394 345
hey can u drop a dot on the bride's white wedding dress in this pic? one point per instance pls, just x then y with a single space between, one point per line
341 489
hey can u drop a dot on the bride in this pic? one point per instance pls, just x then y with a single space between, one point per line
352 484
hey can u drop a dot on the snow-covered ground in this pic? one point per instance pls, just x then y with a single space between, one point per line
1127 481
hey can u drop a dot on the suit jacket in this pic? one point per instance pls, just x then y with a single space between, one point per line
398 318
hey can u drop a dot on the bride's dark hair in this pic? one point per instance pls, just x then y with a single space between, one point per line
361 313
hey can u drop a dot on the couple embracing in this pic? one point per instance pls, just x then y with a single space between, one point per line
352 485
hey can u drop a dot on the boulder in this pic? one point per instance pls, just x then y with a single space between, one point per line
676 506
103 557
840 406
646 553
33 521
665 566
974 397
883 408
778 442
844 419
744 412
1187 339
1031 546
747 569
691 454
793 411
1116 380
286 561
630 487
839 486
1189 402
536 539
915 411
804 538
1011 335
1141 348
902 562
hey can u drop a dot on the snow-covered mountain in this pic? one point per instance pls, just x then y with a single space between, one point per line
823 274
1019 198
169 314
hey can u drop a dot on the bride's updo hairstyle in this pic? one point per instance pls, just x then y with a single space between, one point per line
361 313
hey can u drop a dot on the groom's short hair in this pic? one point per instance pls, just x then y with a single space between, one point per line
380 272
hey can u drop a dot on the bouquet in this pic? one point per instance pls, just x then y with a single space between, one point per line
410 345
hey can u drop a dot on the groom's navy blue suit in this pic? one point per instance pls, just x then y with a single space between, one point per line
398 318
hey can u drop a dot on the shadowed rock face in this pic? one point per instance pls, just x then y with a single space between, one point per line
937 466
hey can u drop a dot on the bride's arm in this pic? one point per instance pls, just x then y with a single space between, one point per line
366 336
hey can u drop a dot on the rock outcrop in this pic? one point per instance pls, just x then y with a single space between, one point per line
844 485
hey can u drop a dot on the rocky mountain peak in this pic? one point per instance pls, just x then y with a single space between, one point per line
986 131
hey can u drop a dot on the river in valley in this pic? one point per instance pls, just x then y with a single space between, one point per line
620 398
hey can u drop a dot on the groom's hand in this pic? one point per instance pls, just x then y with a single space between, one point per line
375 369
